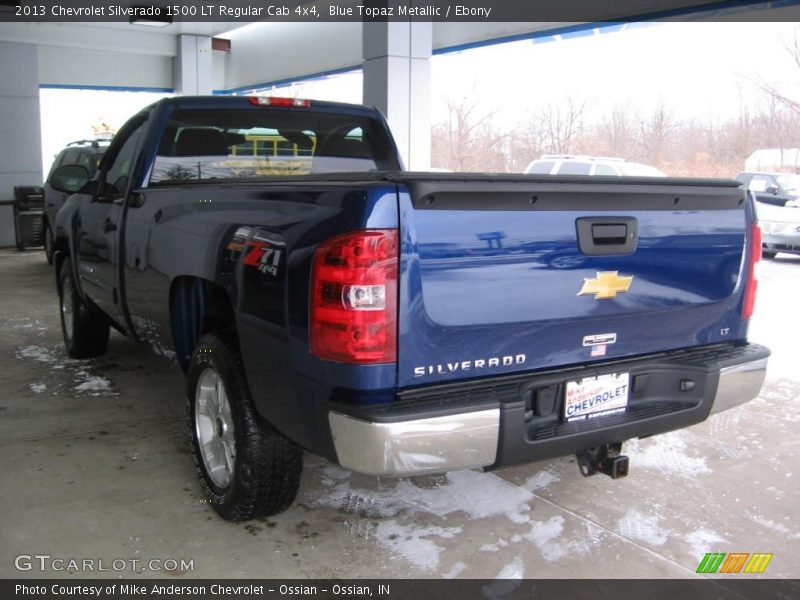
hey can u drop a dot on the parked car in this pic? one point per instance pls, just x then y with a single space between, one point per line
568 164
398 323
780 226
86 153
778 189
778 208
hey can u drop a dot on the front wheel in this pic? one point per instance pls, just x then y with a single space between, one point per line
49 243
246 468
85 328
768 253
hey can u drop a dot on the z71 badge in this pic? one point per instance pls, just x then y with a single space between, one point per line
264 256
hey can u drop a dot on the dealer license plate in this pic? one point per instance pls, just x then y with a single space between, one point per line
593 397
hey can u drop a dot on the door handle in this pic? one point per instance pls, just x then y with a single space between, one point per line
108 226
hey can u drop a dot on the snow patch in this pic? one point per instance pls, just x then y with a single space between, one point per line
782 529
25 323
38 354
541 481
667 454
642 528
457 569
84 382
507 580
500 543
513 570
410 542
333 473
544 535
479 495
94 385
702 541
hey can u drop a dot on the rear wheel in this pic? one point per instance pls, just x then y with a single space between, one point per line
246 468
768 253
84 328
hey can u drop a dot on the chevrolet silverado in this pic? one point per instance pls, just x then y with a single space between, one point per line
319 297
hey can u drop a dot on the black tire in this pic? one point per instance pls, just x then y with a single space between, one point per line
49 243
768 253
84 328
253 470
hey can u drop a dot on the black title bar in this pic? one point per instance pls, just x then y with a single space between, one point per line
733 588
164 12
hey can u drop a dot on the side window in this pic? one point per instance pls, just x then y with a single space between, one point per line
119 171
95 163
759 183
604 170
569 167
85 160
541 167
71 157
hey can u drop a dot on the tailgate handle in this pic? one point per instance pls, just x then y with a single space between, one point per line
607 236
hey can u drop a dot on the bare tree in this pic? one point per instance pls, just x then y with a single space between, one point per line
468 141
772 90
616 132
560 124
655 130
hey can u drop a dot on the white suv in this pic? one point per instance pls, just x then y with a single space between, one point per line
564 164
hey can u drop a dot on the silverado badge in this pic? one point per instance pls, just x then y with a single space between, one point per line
607 284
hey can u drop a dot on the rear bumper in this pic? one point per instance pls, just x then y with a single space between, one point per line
739 383
428 445
793 248
780 242
511 420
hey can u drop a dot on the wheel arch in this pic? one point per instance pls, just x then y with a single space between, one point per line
197 306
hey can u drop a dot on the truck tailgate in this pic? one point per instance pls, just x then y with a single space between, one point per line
506 274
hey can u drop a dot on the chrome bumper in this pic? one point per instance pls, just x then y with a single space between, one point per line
739 384
432 445
467 440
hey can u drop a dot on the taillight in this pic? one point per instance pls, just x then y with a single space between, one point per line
282 102
354 297
751 283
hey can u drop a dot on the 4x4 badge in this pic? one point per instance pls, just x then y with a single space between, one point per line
607 284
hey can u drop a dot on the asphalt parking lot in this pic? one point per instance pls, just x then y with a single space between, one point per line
97 466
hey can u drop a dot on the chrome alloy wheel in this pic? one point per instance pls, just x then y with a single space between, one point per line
67 306
213 426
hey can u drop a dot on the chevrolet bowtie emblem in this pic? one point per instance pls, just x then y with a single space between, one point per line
607 284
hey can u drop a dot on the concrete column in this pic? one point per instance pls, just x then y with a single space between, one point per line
194 70
20 128
397 77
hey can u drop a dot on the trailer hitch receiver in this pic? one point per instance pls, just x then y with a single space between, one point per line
603 459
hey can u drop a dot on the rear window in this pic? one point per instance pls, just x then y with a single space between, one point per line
201 145
604 170
569 167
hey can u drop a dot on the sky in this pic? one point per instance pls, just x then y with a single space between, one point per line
698 70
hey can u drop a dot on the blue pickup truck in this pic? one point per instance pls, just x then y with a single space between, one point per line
320 297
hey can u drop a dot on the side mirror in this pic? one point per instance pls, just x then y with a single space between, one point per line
773 189
69 178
